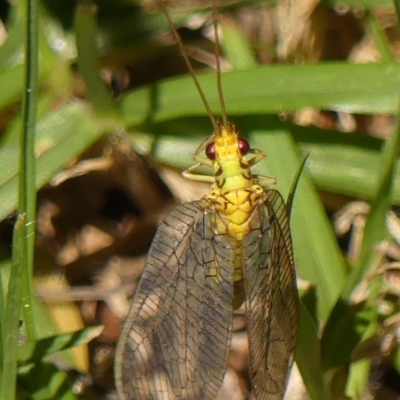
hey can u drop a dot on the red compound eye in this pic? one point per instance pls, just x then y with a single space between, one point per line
244 146
210 151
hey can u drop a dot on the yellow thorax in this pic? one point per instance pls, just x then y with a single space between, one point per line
231 169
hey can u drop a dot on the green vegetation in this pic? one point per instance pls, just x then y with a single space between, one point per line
165 121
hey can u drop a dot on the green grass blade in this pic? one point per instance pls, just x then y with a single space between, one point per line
359 373
317 254
292 192
235 46
27 187
357 155
358 88
308 356
2 318
13 313
37 350
89 64
379 37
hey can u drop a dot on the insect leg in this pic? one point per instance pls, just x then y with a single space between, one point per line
258 155
265 181
188 174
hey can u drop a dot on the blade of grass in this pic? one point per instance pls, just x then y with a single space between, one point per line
292 192
356 154
89 65
37 350
20 282
380 37
12 62
308 356
359 88
27 177
13 313
360 370
2 318
235 46
317 255
396 361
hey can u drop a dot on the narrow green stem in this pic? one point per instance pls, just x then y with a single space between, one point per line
27 182
19 294
380 38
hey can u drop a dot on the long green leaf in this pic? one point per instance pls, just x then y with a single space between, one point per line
27 162
12 314
358 88
89 65
308 356
317 255
34 351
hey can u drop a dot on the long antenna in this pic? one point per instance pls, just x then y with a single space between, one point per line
189 65
218 65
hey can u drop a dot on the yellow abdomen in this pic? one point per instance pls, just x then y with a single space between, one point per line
233 210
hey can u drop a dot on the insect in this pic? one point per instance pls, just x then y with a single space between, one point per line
207 258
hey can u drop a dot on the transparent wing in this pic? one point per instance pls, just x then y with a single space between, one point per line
271 298
176 339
